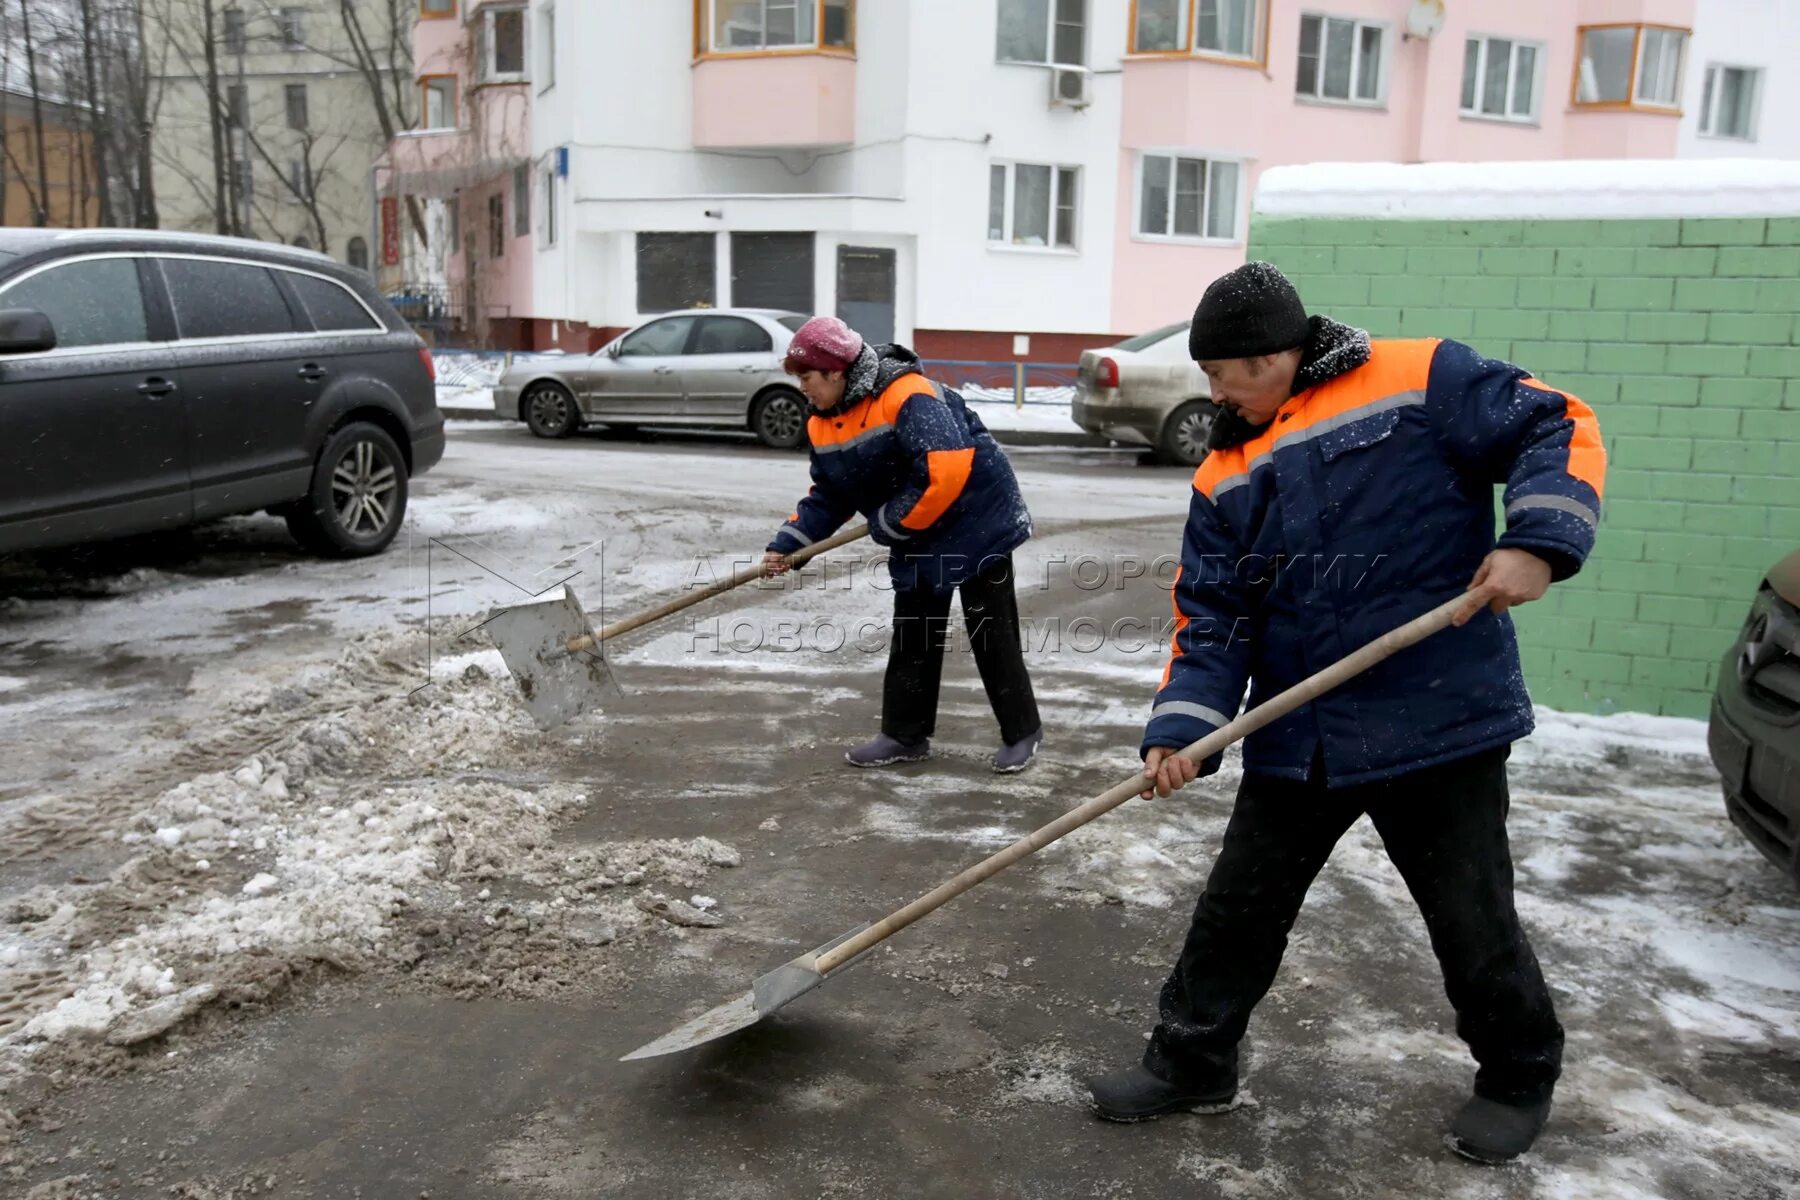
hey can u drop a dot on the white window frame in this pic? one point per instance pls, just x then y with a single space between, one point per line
1358 24
1239 214
1258 17
546 47
1051 23
1539 50
1673 103
1709 101
1056 172
485 71
710 40
548 191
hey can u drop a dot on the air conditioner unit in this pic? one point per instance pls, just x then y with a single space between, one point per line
1070 86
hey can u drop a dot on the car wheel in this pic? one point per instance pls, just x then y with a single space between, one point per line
1183 438
779 419
358 495
550 411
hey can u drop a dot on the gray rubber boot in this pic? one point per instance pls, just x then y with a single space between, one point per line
882 750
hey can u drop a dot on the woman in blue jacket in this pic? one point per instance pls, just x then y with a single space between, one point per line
938 492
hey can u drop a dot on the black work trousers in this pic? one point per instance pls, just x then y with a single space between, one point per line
915 667
1444 827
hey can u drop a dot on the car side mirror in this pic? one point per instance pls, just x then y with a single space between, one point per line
613 350
25 331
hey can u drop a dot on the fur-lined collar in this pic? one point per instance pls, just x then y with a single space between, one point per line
871 374
1332 349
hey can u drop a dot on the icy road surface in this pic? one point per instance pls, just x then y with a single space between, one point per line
294 900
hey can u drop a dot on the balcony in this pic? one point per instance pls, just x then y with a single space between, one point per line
775 100
439 162
774 73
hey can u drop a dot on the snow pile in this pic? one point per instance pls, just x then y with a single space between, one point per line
1566 190
360 825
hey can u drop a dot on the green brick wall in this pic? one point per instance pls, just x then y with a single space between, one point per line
1684 337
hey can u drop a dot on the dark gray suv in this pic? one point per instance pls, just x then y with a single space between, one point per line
149 381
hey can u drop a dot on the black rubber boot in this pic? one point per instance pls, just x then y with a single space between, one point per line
1134 1094
1487 1131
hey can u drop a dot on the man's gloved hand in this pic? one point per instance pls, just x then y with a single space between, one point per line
1169 771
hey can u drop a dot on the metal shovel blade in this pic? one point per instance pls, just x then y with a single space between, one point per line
533 639
775 990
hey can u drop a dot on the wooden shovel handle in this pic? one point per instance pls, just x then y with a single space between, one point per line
748 575
1406 635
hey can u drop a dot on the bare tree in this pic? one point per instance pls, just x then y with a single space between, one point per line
40 203
384 59
99 110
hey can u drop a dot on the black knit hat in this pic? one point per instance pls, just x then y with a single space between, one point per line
1251 311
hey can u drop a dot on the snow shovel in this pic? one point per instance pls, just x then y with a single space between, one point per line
794 979
554 653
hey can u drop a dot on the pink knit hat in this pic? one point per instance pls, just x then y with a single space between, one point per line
823 344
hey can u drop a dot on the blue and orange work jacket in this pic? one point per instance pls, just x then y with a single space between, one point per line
922 469
1368 500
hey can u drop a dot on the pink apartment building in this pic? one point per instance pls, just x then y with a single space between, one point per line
958 173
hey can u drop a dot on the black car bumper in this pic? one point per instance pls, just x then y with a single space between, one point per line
1754 738
427 447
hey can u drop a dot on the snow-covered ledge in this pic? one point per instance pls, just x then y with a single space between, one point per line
1566 190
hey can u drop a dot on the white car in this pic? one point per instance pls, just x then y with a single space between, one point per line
716 368
1146 391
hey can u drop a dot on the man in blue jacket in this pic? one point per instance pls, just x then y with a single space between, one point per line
939 493
1349 488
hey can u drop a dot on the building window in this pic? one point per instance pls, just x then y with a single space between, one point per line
237 105
296 106
1340 59
548 199
233 19
1042 31
1226 27
546 44
292 24
1500 78
437 8
1728 103
356 253
1032 205
240 180
440 101
496 225
1161 27
1625 66
300 172
502 44
747 26
1182 197
676 271
521 185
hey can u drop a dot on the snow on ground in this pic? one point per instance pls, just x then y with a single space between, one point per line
350 836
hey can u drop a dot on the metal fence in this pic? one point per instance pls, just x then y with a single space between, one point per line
1022 383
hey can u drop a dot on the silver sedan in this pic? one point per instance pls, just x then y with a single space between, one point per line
717 368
